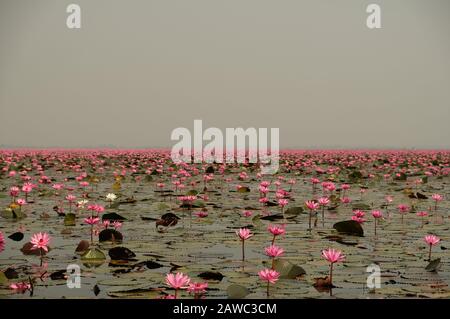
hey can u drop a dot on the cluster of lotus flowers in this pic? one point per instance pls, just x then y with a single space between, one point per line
156 162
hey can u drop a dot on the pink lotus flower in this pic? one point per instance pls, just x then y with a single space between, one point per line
269 275
437 197
263 190
265 183
20 287
177 281
14 191
247 213
358 219
58 187
117 225
201 214
345 200
277 230
431 240
197 288
377 214
274 251
403 209
27 188
422 214
333 255
282 202
40 241
92 220
323 201
312 205
71 198
21 202
244 233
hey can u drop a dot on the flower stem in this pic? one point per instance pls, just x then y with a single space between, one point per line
331 275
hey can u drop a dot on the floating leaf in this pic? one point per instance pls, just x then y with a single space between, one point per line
237 291
149 264
11 273
350 227
93 254
69 219
243 189
168 219
192 192
361 206
121 253
294 211
96 290
210 275
272 217
323 282
3 279
113 217
17 236
434 265
110 235
58 275
13 213
421 196
27 249
148 218
353 176
82 246
287 269
400 177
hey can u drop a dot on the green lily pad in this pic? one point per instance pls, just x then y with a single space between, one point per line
113 217
93 254
361 206
69 219
192 192
294 211
287 269
434 265
235 291
350 227
243 189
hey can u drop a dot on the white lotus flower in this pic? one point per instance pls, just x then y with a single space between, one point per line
82 203
111 197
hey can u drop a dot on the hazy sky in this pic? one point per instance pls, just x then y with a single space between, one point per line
138 69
